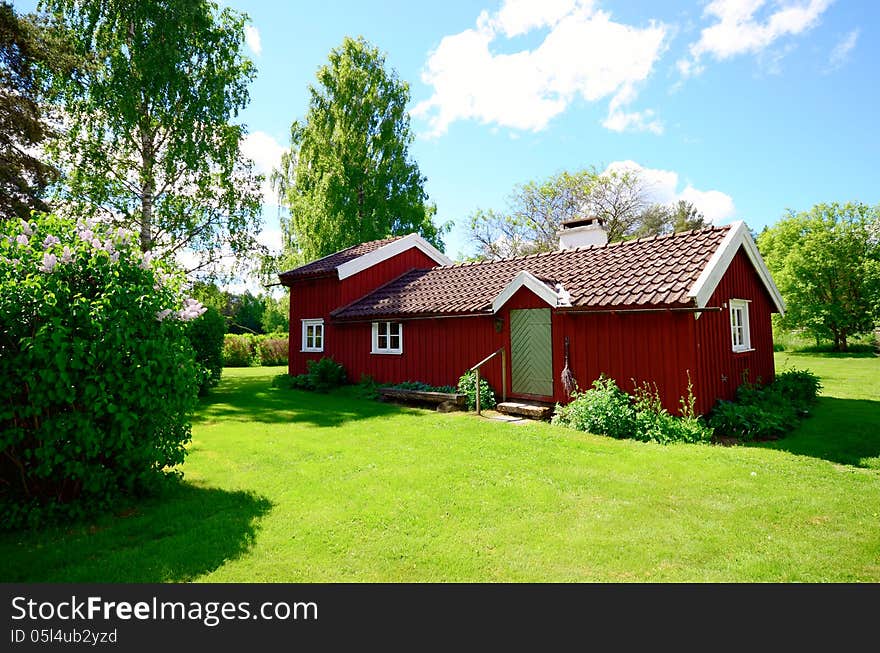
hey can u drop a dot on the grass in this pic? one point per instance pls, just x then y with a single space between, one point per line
283 485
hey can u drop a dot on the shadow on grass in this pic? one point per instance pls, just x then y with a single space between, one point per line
845 431
253 399
183 533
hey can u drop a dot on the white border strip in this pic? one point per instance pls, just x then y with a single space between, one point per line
361 263
710 277
530 281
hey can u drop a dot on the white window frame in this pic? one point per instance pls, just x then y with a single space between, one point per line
745 342
312 322
388 349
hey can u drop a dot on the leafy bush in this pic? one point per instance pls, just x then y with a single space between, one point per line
767 412
367 387
206 335
604 409
272 351
467 385
238 350
97 375
607 410
322 376
798 385
419 386
325 374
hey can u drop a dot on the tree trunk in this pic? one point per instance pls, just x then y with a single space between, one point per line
148 189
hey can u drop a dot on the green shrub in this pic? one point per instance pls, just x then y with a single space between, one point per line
367 387
206 334
325 374
97 375
272 351
467 385
655 424
238 350
419 386
604 409
798 385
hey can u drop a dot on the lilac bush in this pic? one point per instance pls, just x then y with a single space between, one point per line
97 377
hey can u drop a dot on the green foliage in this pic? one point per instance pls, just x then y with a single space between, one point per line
272 350
826 263
23 175
246 313
348 177
206 335
659 219
148 139
467 384
322 376
276 316
239 350
96 371
419 386
767 412
607 410
368 387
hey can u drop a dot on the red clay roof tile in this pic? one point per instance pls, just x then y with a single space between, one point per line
328 264
656 271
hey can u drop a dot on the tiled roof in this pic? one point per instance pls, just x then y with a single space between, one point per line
648 272
329 263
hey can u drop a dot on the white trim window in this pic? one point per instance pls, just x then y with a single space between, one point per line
739 325
387 338
312 335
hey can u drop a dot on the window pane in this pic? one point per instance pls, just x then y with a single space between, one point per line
395 342
383 329
383 342
394 328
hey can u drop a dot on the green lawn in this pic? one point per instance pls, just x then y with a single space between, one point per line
288 486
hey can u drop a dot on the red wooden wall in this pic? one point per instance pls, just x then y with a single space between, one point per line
315 298
664 348
720 369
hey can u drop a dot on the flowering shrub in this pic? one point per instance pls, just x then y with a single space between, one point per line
239 350
272 350
206 337
96 373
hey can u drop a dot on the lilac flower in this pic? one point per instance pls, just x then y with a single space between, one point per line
96 243
26 228
49 261
66 255
114 257
192 308
50 240
145 263
22 240
161 315
86 234
108 246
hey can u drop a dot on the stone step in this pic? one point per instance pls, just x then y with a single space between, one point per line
532 410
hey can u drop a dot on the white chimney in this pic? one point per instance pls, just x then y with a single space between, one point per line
582 232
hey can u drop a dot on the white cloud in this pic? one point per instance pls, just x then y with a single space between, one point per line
662 188
739 30
840 53
266 154
585 53
252 38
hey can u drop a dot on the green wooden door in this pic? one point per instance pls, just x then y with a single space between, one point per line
531 352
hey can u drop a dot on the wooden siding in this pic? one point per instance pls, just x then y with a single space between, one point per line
665 348
720 369
315 298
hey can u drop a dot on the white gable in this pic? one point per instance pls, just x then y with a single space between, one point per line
386 252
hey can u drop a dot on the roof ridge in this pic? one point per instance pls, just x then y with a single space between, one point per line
386 240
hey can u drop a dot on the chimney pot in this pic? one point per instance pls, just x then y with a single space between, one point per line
582 232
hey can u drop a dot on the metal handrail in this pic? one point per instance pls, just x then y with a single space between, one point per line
476 369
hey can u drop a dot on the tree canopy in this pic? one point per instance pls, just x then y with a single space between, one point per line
24 176
348 176
147 140
826 263
536 210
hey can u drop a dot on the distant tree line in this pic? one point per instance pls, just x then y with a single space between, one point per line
245 312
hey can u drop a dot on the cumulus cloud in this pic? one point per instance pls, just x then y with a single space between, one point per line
252 38
584 54
266 155
663 188
840 53
740 27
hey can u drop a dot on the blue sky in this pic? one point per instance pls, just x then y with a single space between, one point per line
745 107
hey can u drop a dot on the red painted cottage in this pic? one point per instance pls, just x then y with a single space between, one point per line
663 309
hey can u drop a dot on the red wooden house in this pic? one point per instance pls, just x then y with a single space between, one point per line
689 306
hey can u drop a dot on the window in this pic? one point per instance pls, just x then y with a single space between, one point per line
313 335
387 338
739 325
